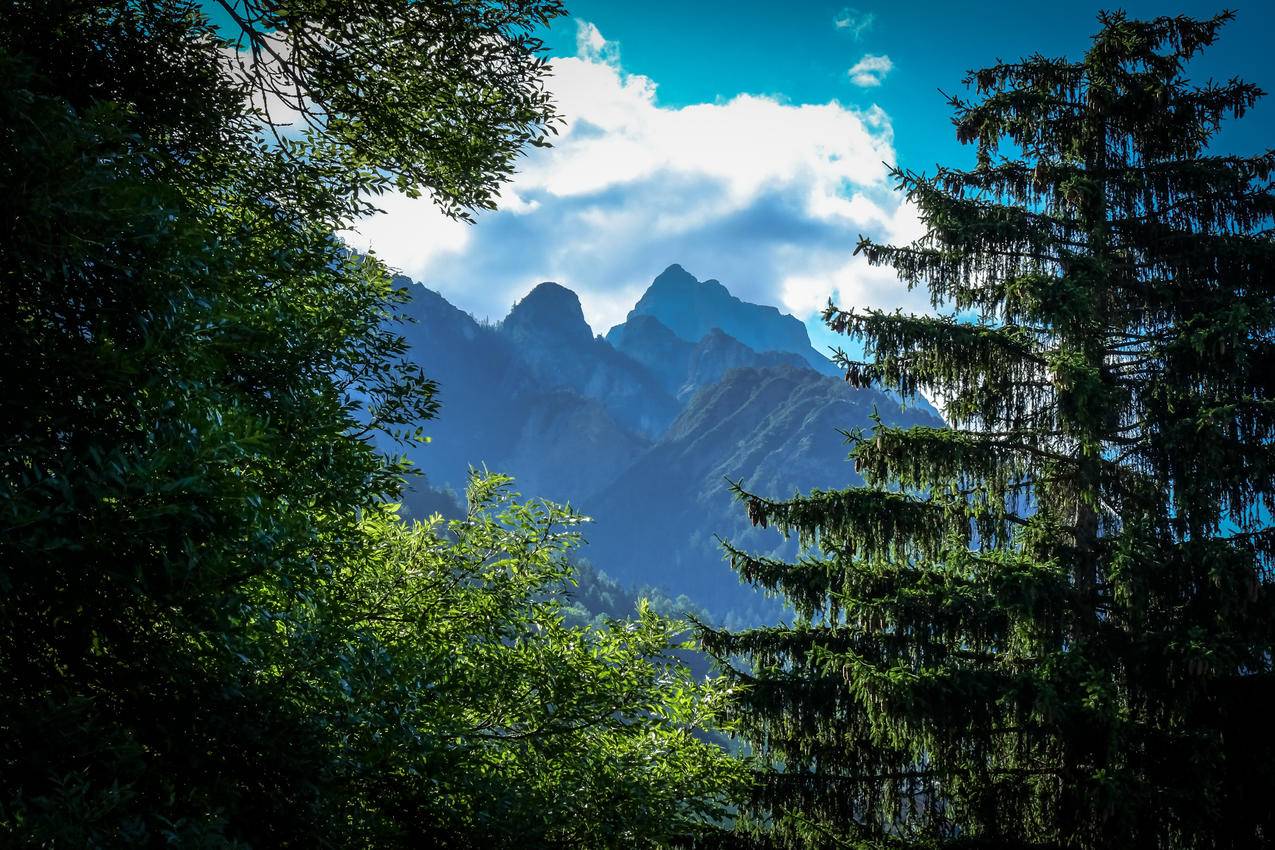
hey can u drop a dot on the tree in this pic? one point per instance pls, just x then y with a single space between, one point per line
215 631
178 476
1049 625
468 704
193 366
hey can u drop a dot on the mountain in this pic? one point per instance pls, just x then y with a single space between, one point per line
550 333
497 409
648 341
642 430
692 308
775 429
683 367
718 353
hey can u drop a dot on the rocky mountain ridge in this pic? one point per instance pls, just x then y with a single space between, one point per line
692 308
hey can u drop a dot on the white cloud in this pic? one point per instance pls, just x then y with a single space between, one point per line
769 197
593 47
413 236
870 70
282 108
853 21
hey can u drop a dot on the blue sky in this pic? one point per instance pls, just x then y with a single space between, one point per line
706 50
744 140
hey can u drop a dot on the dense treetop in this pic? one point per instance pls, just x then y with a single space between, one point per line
1050 623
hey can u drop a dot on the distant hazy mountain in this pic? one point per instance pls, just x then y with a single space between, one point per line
776 430
500 412
550 333
692 308
683 367
643 430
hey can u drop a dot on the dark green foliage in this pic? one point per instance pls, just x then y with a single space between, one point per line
433 96
1051 625
214 631
179 475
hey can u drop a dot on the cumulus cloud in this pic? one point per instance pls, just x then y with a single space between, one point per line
767 196
854 22
593 47
870 70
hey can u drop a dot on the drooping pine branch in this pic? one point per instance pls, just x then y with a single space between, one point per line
1065 598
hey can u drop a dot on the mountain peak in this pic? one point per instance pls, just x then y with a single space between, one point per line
677 282
549 308
692 308
674 275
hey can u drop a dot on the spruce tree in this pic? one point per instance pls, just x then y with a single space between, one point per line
1050 624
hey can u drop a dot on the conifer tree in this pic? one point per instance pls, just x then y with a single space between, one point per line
1050 624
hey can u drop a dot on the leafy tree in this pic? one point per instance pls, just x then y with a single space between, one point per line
466 699
178 475
1052 624
194 366
214 629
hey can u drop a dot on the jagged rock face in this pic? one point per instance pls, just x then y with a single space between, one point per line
650 342
497 411
692 308
683 367
549 311
718 352
551 336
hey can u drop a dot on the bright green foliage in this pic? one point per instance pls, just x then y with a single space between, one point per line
212 633
470 702
1051 625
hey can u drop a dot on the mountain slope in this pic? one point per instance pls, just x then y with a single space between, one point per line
718 352
496 411
642 435
776 430
684 368
650 342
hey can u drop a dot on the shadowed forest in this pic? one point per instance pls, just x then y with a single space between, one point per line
296 553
